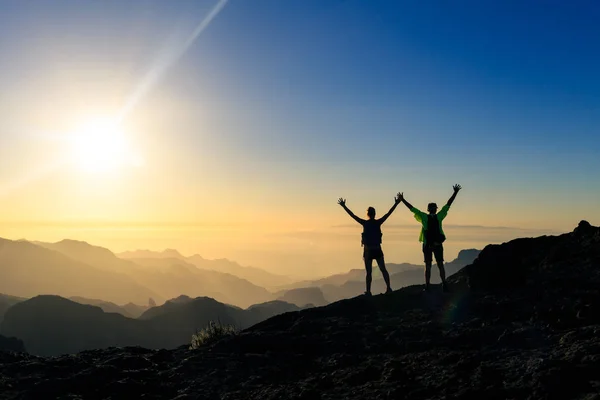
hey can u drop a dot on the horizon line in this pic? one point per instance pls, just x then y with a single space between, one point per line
459 226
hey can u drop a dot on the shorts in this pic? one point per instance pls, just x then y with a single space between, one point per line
372 253
436 250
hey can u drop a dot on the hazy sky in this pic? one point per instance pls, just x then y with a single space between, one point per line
245 139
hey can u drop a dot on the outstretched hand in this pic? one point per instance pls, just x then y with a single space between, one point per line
456 188
342 202
399 197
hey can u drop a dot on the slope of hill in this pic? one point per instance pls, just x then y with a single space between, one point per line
173 277
28 270
169 306
95 256
178 321
257 276
135 310
11 345
260 312
106 306
465 257
167 253
303 296
52 325
522 322
7 302
352 283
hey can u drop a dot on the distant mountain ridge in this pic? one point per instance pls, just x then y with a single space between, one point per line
463 258
166 277
93 272
52 325
254 275
520 322
174 277
7 302
12 344
352 283
129 310
27 270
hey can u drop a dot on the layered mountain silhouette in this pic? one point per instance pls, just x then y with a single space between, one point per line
257 276
522 322
134 310
352 283
52 325
7 302
28 270
303 296
129 310
11 345
76 269
173 277
164 277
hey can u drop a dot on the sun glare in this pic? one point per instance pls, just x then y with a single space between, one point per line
101 145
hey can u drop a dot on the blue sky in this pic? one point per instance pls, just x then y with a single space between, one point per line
294 103
477 77
498 92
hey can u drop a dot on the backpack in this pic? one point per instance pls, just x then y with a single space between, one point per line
433 234
371 235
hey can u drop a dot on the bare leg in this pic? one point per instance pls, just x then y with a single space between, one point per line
443 276
369 268
427 253
427 274
442 272
439 258
384 272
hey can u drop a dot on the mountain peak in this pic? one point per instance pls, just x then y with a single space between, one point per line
584 228
73 241
469 254
180 299
172 253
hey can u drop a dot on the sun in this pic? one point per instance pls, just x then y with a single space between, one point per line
100 145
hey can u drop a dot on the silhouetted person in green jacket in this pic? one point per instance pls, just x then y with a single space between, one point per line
432 235
371 241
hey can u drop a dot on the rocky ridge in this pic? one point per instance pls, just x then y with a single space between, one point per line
522 322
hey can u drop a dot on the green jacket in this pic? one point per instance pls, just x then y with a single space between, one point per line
422 218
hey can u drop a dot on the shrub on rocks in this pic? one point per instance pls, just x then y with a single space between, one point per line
212 333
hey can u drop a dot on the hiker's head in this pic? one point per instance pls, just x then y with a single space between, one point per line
371 212
432 208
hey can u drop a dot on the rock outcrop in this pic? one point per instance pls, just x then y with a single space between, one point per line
533 263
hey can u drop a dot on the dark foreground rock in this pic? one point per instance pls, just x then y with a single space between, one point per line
516 341
11 344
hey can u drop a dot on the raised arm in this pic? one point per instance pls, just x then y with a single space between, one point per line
416 212
403 200
396 202
456 188
342 202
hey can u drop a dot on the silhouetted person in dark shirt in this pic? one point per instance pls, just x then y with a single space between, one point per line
432 235
371 241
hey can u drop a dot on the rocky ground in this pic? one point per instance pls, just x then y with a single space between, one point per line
536 339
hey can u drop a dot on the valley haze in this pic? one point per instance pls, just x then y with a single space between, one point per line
95 275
